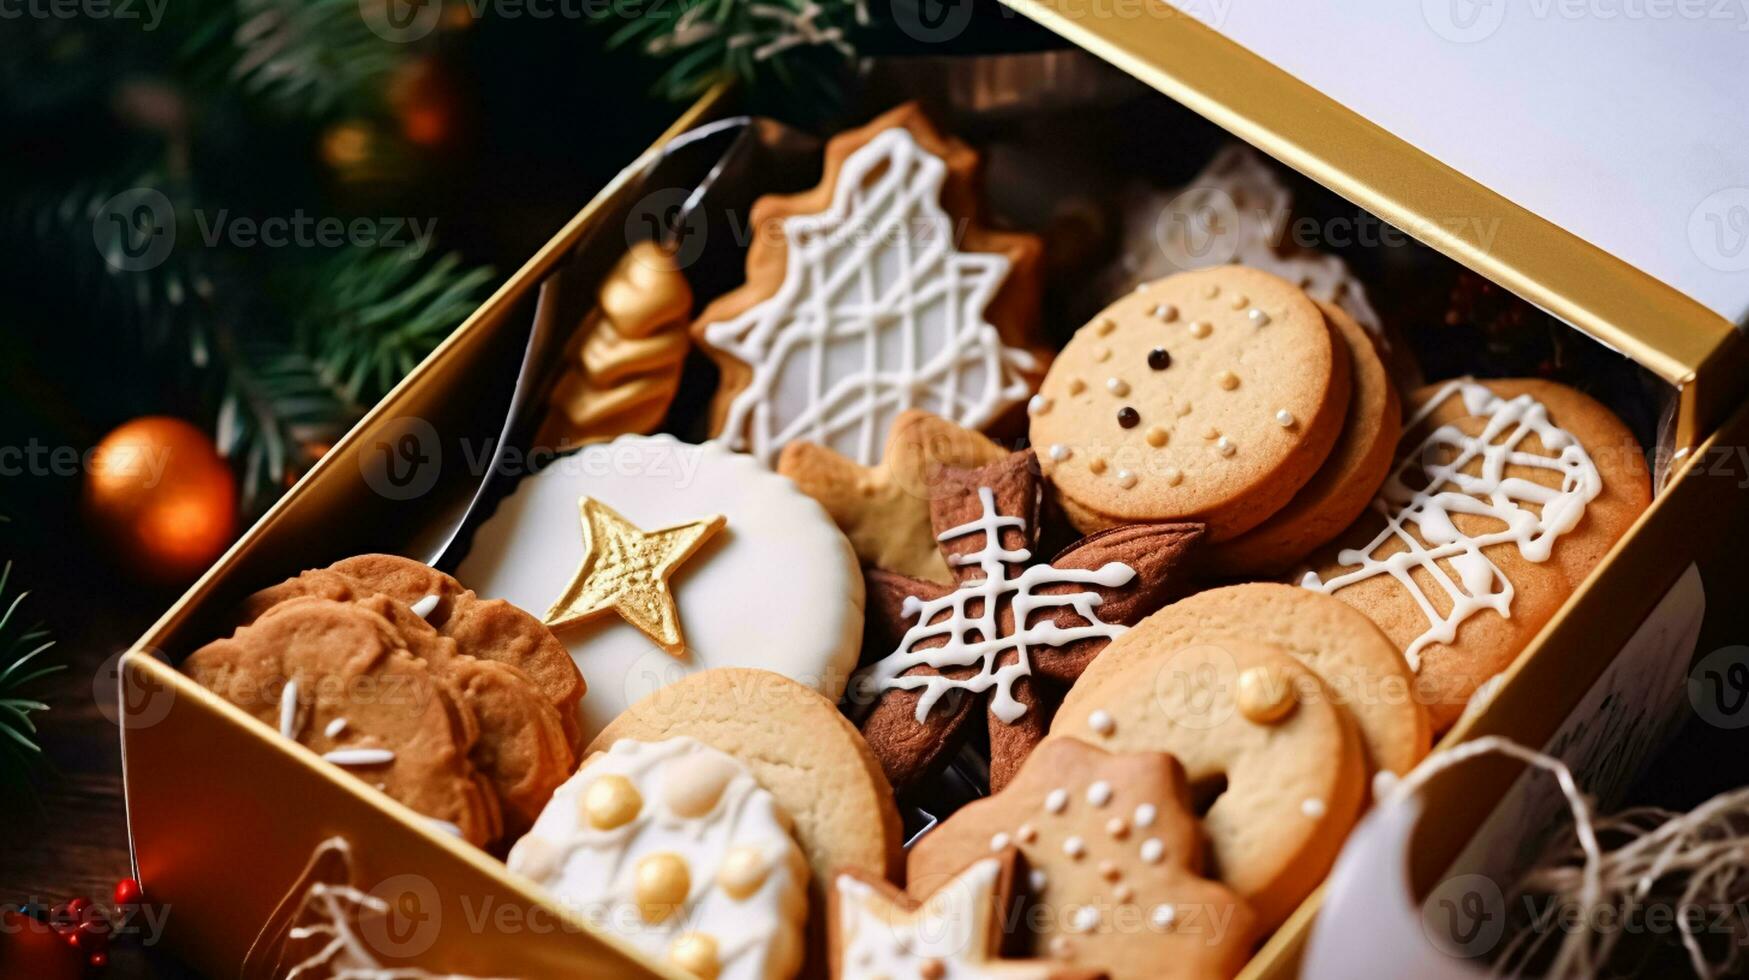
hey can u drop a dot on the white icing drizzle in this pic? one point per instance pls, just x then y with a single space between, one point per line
954 929
877 313
424 607
288 710
1490 493
360 757
979 639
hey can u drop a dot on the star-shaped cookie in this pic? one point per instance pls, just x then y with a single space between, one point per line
884 509
1115 857
626 570
1011 630
878 930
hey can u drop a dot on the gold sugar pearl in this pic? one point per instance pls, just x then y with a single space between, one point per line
1110 871
1158 437
1117 386
611 801
1097 465
1165 312
1211 433
1225 446
1227 380
695 953
1126 479
1238 301
1259 318
662 884
1183 409
743 871
1059 452
1211 290
1264 695
931 969
1117 827
1101 353
1104 327
1173 476
1200 329
695 784
1077 386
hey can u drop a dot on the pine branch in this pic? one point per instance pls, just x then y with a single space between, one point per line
798 44
24 665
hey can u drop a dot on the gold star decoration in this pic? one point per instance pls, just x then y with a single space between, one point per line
626 569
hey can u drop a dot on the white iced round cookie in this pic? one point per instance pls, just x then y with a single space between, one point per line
777 587
675 847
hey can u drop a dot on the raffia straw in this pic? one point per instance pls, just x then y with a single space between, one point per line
1708 845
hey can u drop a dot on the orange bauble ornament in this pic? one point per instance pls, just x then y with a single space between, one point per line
160 497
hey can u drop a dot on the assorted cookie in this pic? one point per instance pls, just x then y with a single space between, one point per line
1127 761
1114 864
675 846
656 559
1011 634
1504 496
875 292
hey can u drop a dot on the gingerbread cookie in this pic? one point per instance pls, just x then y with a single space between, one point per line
623 364
1342 487
1211 396
337 678
675 847
1011 633
957 930
875 292
884 509
1505 495
1276 766
486 629
1361 667
1115 857
799 747
776 558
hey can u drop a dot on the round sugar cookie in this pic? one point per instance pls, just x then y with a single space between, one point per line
1505 494
1277 764
774 584
1361 666
800 747
675 847
1207 396
1341 488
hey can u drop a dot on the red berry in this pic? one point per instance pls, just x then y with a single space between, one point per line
76 907
128 892
98 960
72 938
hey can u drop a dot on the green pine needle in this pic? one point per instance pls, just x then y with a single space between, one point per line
798 44
23 668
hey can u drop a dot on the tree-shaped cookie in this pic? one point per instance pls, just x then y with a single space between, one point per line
957 930
1115 859
875 292
1008 623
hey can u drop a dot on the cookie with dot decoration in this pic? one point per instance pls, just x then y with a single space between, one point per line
338 679
1342 487
1276 767
800 748
1361 666
675 847
1114 858
1209 396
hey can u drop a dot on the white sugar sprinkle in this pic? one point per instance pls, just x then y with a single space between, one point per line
998 841
1086 918
1259 317
1074 847
1099 794
1164 916
1060 452
1038 405
1284 417
1312 807
1056 800
335 727
1101 722
1225 446
1145 815
424 607
1117 386
1126 479
1038 880
359 757
288 709
1153 850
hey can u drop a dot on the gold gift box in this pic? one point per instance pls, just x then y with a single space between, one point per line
224 814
